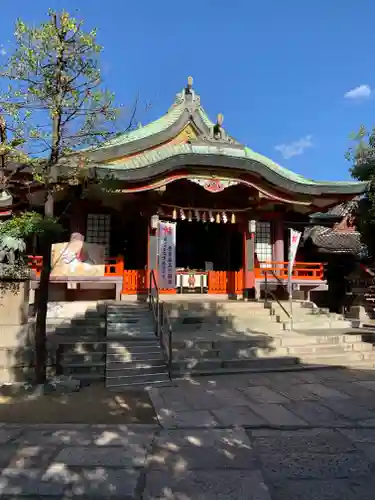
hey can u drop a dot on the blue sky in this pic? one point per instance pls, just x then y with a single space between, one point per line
293 79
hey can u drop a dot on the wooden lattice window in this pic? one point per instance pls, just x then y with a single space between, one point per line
263 241
98 230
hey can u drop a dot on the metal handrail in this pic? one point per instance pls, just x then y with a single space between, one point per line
166 336
270 292
153 301
163 328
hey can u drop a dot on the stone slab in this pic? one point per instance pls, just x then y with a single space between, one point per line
206 485
99 482
262 394
8 434
238 416
315 414
325 392
277 415
31 457
300 441
296 392
188 419
18 482
181 438
334 489
359 435
109 456
278 467
368 384
353 389
350 409
176 460
229 397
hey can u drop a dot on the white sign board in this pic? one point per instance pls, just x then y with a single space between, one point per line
167 255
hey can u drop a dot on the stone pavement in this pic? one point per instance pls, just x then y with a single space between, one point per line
282 436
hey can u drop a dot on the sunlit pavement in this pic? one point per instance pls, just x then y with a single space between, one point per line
305 436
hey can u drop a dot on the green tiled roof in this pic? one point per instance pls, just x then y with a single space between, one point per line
168 151
149 157
267 162
155 127
147 130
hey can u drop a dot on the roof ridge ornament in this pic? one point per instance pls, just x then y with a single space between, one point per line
188 95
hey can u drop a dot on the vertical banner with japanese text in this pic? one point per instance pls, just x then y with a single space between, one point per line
295 237
167 255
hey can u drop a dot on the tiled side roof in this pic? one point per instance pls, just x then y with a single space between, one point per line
330 241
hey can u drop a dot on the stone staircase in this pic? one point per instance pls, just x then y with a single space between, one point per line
79 328
232 337
133 353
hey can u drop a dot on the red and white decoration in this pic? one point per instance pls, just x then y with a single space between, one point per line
295 237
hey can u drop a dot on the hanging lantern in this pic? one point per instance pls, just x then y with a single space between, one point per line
197 216
190 216
224 217
174 214
233 219
218 218
211 216
182 215
204 217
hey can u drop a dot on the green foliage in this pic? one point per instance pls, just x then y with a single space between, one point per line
26 224
55 96
362 157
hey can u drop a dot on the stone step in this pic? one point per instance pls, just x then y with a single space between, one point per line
145 351
133 347
214 366
112 372
126 381
97 321
129 315
234 352
318 324
88 357
67 331
128 310
87 377
333 359
84 371
114 329
83 346
290 339
116 363
195 353
89 365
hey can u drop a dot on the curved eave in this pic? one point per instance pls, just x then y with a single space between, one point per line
171 158
153 134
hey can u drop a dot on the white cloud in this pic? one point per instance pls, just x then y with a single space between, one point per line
2 51
360 92
295 148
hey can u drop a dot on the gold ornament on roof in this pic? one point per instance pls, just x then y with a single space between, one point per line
220 119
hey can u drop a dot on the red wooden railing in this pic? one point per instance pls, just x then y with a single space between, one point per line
225 282
113 266
219 282
135 281
301 270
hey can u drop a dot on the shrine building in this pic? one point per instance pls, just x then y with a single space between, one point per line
231 210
